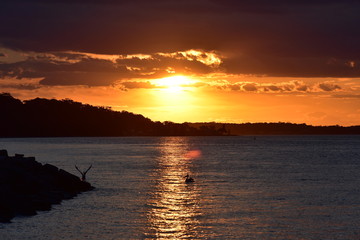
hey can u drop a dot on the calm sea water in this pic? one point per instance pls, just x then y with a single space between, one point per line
268 187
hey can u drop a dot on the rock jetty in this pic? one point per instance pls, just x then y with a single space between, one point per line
27 186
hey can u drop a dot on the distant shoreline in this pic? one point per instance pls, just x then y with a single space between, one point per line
66 118
226 136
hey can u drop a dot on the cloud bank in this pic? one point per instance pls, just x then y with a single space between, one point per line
274 38
75 68
280 87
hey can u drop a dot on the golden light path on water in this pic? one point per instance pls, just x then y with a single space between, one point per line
174 208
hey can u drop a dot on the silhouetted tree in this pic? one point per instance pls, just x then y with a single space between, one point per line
41 117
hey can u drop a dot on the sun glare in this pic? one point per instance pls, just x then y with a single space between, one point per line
175 83
174 96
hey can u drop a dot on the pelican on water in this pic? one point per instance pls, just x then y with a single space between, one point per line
188 178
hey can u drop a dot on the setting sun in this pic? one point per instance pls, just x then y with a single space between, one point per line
174 83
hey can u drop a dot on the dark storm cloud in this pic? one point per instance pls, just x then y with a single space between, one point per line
66 69
275 38
290 66
92 72
72 68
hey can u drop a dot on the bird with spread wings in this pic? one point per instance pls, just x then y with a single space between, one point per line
83 173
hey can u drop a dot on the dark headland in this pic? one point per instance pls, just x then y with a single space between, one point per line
27 186
66 118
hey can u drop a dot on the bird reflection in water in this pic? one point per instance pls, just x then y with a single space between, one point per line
173 209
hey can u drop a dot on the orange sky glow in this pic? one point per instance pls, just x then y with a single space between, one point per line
244 62
219 98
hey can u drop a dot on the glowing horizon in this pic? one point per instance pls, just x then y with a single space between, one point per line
219 98
243 62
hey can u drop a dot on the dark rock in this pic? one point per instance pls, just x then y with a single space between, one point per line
6 213
50 168
3 153
27 186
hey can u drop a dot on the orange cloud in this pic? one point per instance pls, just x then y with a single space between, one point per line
281 87
138 84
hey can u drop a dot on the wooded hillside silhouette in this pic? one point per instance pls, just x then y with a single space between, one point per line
66 118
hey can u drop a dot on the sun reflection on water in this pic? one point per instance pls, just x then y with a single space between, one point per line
173 209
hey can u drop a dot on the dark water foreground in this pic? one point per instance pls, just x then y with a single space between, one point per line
268 187
27 186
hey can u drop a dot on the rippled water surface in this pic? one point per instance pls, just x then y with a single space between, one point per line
273 187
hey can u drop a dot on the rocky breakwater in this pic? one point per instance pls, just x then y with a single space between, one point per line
27 186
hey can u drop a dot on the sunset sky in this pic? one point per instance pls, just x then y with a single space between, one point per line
188 60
